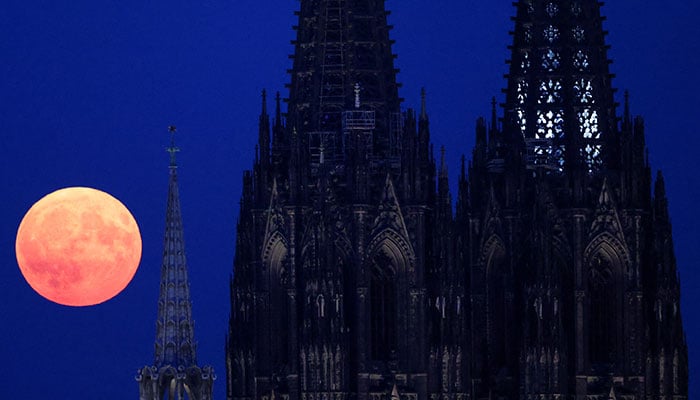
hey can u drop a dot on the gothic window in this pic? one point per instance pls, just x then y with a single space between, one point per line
576 9
522 92
581 62
383 309
530 7
588 124
525 62
552 10
550 92
579 34
279 308
583 89
550 124
528 35
551 33
521 120
602 315
551 60
499 315
592 156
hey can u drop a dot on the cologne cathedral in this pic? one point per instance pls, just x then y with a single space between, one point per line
553 277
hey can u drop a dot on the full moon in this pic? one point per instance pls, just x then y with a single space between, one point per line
78 246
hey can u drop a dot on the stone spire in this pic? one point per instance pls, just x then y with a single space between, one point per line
559 96
175 347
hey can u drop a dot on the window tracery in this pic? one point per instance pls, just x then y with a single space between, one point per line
522 91
576 9
583 90
579 34
550 92
581 62
550 124
588 123
525 62
551 60
551 33
552 10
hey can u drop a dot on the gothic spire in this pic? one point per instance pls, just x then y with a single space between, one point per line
559 93
175 343
340 44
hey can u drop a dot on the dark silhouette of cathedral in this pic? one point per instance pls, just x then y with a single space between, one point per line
555 277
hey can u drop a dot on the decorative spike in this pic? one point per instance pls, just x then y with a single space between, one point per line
172 149
264 103
627 116
278 110
423 108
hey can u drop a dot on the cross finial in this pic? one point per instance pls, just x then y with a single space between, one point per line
172 149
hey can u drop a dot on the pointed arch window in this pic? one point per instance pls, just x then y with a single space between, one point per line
383 308
551 60
602 311
499 312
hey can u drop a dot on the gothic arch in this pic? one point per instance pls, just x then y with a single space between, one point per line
274 259
605 261
499 302
395 245
390 261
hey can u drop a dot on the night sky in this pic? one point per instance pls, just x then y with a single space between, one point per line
89 87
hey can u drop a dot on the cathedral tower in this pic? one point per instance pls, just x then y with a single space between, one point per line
570 254
334 243
174 374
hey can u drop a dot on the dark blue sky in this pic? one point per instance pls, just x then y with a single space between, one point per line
88 88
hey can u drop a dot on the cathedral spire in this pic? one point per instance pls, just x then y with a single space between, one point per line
559 93
175 346
175 343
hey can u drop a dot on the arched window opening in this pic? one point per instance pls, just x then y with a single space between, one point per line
383 308
498 308
279 307
602 311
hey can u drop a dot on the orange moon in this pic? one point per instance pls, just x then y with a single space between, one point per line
78 246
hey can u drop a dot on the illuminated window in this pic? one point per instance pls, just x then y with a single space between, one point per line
551 60
583 89
528 35
576 9
588 124
592 156
521 120
550 92
579 34
551 33
525 62
522 92
581 61
552 10
550 124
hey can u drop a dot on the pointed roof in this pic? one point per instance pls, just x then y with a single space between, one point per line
341 44
175 344
559 96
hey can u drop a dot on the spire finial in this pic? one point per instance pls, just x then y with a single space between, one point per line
278 109
423 108
627 106
172 149
443 165
264 102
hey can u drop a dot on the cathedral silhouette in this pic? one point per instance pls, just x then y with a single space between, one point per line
354 278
